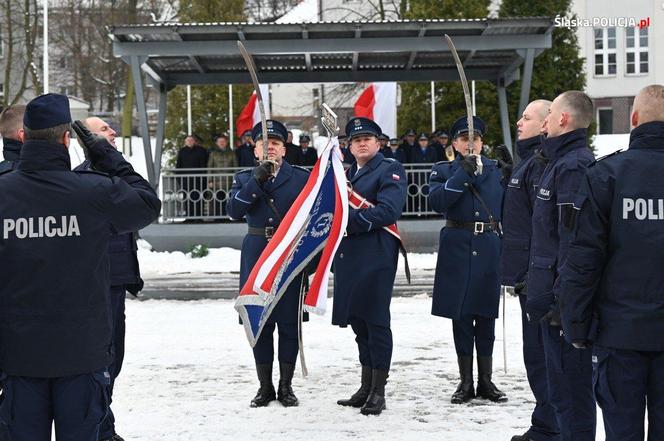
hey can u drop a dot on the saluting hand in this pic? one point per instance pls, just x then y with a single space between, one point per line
93 145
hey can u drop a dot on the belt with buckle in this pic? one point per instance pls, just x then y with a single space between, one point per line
266 232
474 227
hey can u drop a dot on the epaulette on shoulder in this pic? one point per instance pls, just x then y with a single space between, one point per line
300 168
602 158
91 172
246 170
389 159
442 162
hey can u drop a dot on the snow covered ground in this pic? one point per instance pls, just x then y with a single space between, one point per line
189 375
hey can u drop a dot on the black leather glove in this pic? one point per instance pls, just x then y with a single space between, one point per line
503 154
521 288
553 316
263 172
469 164
94 146
505 169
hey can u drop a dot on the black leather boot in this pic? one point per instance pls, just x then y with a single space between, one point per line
376 400
285 393
360 397
523 437
465 390
485 387
266 392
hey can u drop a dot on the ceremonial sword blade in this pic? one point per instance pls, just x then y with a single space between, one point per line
251 66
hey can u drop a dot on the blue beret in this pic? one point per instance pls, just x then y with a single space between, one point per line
274 130
362 126
460 126
304 138
47 111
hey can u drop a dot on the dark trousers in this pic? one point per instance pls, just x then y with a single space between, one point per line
77 404
118 295
544 426
569 376
374 343
288 347
474 331
625 382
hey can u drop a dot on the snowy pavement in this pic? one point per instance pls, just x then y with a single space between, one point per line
189 375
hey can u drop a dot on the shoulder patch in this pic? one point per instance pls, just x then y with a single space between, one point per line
601 158
91 172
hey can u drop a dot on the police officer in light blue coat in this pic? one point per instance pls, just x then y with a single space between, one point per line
262 196
467 285
517 230
569 371
612 283
55 319
366 262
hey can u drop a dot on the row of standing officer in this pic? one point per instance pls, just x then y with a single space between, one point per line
57 327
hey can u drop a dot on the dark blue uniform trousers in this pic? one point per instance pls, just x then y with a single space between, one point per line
374 343
569 376
624 381
118 295
544 426
474 331
288 345
77 404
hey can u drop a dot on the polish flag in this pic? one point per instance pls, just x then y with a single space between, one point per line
251 115
379 103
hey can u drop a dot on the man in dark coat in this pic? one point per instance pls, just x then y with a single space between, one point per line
263 196
245 152
308 155
569 372
193 156
467 285
366 263
520 198
423 153
292 151
611 286
56 330
408 144
11 130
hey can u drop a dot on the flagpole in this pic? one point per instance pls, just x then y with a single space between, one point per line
230 116
188 109
433 107
45 38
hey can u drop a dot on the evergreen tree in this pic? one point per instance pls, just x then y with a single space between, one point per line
209 103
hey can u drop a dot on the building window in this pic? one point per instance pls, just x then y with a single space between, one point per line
636 51
605 121
605 51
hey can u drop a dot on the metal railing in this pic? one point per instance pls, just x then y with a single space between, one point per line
201 194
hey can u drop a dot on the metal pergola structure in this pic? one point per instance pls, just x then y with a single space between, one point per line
171 54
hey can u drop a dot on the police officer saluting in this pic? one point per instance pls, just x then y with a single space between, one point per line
611 290
467 285
366 263
55 321
569 372
11 129
263 195
517 229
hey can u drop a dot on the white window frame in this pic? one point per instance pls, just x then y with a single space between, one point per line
637 50
605 52
597 119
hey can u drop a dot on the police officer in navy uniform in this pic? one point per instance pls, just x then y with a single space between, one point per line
55 320
408 144
366 262
308 155
245 153
611 286
517 229
394 150
125 276
263 195
423 153
11 129
467 285
569 372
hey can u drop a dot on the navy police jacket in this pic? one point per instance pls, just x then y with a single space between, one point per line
11 152
611 286
466 280
427 156
366 262
558 188
122 251
518 212
249 200
399 154
55 317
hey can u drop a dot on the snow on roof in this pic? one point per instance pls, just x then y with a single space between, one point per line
305 12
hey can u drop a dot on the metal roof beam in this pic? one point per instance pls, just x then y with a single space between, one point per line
331 45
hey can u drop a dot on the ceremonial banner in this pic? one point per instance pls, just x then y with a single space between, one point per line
314 224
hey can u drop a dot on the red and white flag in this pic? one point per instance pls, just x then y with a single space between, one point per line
251 115
379 103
